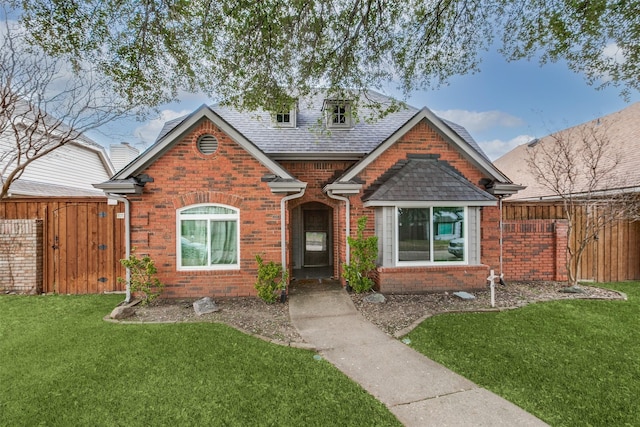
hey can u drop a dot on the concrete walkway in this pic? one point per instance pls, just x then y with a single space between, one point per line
417 390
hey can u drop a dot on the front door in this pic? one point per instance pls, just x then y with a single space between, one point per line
316 237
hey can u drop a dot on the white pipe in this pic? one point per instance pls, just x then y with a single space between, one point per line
283 225
501 271
127 239
347 225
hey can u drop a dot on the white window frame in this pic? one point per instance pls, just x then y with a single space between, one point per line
208 217
292 119
330 107
431 262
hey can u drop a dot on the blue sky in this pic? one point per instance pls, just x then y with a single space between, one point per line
502 106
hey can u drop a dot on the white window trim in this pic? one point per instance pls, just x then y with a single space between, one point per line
330 106
292 119
218 217
396 243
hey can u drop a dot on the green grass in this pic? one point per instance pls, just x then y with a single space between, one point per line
62 365
570 363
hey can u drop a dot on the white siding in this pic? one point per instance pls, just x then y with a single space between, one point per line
473 228
122 154
70 166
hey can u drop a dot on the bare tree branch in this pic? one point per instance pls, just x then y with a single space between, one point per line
45 104
580 167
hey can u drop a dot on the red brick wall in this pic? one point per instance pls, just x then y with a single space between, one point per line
415 280
423 139
535 250
231 176
317 174
183 176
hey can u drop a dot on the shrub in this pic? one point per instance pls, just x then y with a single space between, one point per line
364 251
266 285
142 277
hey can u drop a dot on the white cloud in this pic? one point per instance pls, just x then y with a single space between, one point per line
496 148
612 52
148 132
475 121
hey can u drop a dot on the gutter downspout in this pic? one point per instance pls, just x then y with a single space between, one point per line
347 217
283 228
127 239
501 277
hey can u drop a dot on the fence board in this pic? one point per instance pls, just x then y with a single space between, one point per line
78 265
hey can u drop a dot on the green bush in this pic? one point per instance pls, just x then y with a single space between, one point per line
142 277
364 251
266 285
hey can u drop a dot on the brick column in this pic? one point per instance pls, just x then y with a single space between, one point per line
21 252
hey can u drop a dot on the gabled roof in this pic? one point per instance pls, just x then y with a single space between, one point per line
425 178
310 140
468 148
181 127
622 128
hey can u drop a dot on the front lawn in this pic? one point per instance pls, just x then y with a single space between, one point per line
570 363
62 365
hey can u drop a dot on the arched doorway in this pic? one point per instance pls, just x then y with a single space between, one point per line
312 234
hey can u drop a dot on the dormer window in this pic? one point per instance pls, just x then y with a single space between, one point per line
285 118
338 114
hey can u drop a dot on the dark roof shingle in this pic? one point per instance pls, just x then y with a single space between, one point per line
424 178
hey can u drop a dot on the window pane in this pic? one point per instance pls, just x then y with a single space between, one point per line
283 117
339 114
449 241
413 234
208 210
193 242
315 241
224 242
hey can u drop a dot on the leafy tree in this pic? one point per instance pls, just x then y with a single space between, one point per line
44 104
260 53
579 167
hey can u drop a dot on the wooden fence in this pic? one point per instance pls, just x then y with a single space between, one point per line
83 242
615 256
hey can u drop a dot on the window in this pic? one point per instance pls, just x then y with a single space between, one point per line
338 114
208 238
285 118
431 235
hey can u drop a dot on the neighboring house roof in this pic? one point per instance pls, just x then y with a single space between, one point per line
622 128
26 188
424 177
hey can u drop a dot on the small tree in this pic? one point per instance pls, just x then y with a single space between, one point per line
142 277
364 251
267 283
579 168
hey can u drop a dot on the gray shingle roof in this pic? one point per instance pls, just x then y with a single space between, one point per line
621 128
311 135
26 188
424 178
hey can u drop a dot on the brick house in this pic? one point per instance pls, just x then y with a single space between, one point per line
220 186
